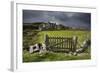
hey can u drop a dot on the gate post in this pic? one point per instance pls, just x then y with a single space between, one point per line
46 40
74 43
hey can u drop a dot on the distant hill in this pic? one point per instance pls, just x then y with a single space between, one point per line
36 25
32 25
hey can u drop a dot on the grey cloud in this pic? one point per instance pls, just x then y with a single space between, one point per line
74 19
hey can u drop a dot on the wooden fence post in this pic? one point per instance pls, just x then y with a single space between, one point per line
46 40
74 43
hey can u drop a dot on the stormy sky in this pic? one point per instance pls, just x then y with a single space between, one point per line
72 19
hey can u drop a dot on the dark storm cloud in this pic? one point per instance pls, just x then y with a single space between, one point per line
30 13
85 17
72 19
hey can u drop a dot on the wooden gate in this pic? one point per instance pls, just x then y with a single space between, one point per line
61 44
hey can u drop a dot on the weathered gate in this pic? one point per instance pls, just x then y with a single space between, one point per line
61 44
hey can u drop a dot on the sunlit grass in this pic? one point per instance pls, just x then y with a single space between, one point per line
82 35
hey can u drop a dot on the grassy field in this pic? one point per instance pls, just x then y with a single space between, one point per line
82 35
35 36
53 57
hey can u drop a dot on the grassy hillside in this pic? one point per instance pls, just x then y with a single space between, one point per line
32 37
82 35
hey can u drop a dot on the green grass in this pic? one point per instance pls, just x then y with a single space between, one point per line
38 37
52 57
82 35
